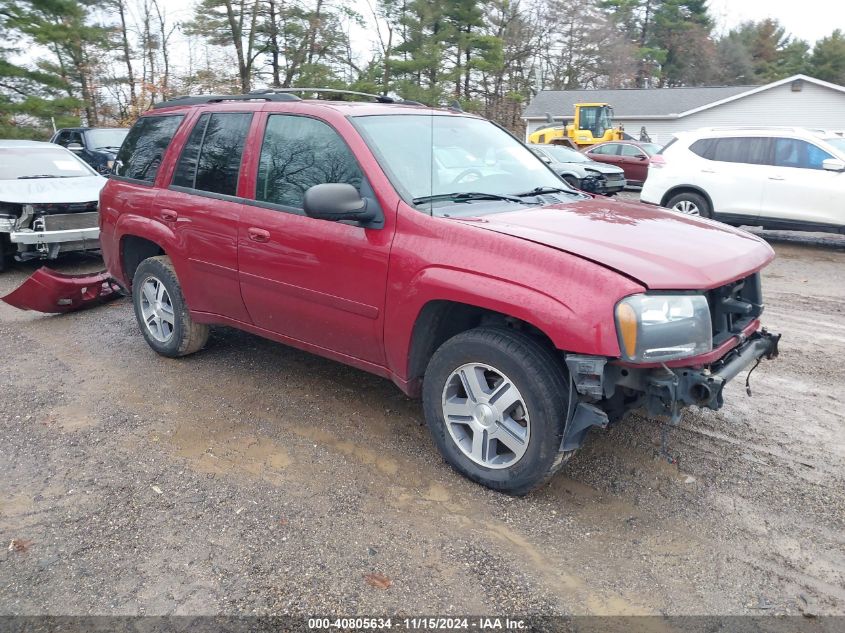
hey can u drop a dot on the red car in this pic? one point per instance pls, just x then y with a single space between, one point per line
632 156
434 249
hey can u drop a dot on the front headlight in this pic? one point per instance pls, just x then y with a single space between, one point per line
656 328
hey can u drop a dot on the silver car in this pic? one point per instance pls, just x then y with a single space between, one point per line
48 201
580 171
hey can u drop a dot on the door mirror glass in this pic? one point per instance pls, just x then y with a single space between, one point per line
336 201
833 164
75 147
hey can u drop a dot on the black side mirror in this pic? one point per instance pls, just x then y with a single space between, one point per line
336 201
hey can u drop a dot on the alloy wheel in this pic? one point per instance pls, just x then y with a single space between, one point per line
486 415
687 206
157 310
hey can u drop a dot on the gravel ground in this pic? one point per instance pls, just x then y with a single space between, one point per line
255 479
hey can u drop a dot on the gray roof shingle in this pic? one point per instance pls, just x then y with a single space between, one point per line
631 101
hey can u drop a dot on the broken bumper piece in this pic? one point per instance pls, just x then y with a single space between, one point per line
49 291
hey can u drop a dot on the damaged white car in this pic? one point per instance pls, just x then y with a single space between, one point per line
48 202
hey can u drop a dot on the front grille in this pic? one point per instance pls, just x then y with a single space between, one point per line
66 221
614 176
733 306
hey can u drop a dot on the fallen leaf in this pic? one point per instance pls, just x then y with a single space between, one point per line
283 522
19 545
156 490
379 581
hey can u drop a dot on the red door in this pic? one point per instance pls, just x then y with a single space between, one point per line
635 163
316 281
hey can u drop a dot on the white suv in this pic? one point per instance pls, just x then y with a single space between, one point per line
777 178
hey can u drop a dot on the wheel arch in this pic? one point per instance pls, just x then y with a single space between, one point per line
135 249
441 319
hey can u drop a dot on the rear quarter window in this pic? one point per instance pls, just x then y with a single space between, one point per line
143 150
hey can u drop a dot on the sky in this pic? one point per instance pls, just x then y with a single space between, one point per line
808 20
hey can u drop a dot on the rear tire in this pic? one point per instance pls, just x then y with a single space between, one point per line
690 203
161 311
523 399
5 252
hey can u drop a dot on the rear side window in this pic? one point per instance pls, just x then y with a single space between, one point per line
631 150
211 158
298 153
141 154
791 152
750 150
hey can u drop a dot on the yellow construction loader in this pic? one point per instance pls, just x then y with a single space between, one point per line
593 123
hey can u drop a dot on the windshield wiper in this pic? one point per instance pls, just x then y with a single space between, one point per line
538 191
467 196
108 147
41 176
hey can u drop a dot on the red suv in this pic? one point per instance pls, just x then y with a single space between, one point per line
433 248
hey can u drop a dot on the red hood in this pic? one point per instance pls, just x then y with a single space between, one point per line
661 249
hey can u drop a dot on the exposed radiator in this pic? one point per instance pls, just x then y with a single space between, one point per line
65 221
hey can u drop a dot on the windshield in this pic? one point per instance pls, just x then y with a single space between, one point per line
107 138
650 148
37 162
434 155
565 155
837 142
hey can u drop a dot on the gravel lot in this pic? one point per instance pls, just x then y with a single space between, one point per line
253 478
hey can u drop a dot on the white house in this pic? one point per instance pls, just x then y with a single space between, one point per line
800 101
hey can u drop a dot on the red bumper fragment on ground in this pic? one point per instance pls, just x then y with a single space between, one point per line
49 291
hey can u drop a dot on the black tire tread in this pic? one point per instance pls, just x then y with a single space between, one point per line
700 201
193 335
553 384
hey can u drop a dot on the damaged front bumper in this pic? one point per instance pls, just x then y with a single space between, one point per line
607 389
52 292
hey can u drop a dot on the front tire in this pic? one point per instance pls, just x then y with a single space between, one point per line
496 402
690 203
573 182
161 311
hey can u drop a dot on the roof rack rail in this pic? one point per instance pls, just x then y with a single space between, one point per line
338 91
379 98
200 99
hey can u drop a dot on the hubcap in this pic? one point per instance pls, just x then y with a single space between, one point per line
687 206
157 309
486 415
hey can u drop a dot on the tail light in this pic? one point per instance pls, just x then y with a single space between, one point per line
657 161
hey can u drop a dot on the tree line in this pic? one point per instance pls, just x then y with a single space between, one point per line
102 62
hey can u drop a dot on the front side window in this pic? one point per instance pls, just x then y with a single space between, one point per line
211 158
606 150
298 153
141 154
792 152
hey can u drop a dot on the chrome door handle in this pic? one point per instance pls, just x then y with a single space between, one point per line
776 178
708 171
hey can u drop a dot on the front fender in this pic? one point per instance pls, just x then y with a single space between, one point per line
569 328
